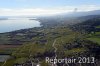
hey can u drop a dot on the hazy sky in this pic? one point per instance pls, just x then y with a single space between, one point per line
40 7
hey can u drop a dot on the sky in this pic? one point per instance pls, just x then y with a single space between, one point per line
45 7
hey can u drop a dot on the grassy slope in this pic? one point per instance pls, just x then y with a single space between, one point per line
50 35
97 26
64 37
94 37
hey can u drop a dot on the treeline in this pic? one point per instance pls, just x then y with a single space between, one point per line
88 26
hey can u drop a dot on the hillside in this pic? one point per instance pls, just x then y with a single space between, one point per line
78 39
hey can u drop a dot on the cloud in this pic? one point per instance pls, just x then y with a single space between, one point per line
46 11
36 11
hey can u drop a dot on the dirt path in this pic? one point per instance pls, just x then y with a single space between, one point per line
53 45
4 63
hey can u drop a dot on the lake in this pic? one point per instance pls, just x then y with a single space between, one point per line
12 24
4 57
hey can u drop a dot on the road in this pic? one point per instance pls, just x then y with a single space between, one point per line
53 45
4 63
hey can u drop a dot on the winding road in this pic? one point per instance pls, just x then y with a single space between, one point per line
4 63
53 45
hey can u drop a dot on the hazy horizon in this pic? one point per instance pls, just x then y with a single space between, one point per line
45 7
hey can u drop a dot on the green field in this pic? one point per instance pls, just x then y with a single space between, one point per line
97 26
94 37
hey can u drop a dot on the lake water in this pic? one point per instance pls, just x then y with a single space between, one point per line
4 58
12 24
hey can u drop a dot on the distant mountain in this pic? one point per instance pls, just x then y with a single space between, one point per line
79 14
91 24
71 18
3 18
